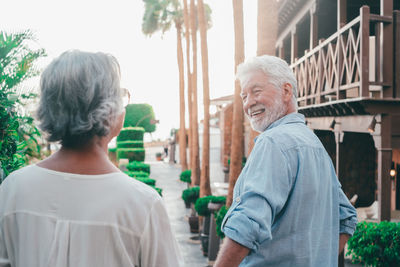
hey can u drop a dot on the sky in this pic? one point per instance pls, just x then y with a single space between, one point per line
148 64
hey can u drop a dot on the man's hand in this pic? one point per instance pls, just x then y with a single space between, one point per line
231 254
343 238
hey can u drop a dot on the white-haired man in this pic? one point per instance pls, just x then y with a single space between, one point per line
288 207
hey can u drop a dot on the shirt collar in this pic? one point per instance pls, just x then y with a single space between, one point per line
290 118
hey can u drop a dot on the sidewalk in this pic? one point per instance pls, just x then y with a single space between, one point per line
167 177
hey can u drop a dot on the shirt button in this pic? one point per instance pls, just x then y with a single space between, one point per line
238 199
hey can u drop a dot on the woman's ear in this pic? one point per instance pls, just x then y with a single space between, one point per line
119 123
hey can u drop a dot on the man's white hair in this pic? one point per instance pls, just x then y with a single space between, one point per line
276 69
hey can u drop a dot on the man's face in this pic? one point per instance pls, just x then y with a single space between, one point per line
262 101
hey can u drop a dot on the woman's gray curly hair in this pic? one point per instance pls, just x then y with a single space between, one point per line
80 97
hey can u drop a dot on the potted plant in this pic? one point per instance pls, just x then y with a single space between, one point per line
189 196
201 207
158 156
185 176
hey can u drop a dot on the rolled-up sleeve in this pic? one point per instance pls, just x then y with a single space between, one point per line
264 188
348 215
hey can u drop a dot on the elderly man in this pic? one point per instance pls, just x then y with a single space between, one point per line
288 207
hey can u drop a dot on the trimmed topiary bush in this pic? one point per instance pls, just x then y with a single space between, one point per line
201 205
131 134
136 166
130 144
133 154
190 195
185 176
146 180
219 217
375 244
137 174
140 115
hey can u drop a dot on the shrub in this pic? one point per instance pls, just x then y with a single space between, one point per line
133 154
185 176
146 180
219 217
140 115
201 205
376 244
18 134
131 134
136 166
190 195
137 174
112 150
130 144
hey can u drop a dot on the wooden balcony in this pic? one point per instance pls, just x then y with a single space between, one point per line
353 72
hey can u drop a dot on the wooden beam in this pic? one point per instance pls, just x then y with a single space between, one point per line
341 13
293 46
384 159
364 51
396 56
281 51
386 40
313 28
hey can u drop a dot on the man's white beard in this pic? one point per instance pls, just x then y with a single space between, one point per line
274 113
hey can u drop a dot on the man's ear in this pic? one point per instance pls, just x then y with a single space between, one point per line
287 90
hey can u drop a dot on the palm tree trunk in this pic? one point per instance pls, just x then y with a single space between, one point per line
196 158
237 124
182 130
267 28
189 79
205 188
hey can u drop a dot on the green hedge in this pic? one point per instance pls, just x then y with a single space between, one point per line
185 176
131 134
219 218
190 195
137 174
140 115
146 180
201 205
376 244
136 166
130 144
112 150
133 154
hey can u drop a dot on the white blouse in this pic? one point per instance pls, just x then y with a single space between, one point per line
54 219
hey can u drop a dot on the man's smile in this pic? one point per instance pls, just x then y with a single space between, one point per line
256 113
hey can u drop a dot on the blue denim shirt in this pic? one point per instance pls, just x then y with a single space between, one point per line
288 206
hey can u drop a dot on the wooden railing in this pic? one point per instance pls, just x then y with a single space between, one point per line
339 67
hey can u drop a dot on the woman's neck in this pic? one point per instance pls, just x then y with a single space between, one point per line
90 159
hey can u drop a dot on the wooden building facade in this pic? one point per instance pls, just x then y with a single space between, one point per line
346 57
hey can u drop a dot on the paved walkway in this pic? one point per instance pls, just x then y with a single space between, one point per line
167 177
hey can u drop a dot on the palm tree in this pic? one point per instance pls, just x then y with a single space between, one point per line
205 188
237 125
158 16
189 80
267 28
195 129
